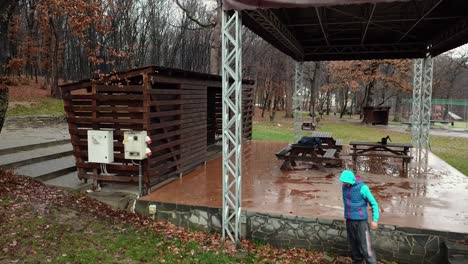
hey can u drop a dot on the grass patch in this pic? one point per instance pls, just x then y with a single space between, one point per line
48 106
62 235
451 149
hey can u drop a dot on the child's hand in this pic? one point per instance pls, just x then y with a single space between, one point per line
374 225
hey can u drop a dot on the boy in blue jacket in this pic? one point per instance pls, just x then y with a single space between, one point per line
356 196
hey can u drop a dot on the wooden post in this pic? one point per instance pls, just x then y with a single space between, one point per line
95 127
147 86
354 157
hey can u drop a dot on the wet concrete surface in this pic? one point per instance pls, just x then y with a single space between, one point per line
436 200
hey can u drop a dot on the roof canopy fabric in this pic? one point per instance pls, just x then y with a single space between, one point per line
356 29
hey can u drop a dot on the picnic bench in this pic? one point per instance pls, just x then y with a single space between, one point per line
376 149
327 140
314 155
318 149
310 125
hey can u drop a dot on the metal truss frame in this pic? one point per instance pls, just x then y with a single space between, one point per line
232 123
298 100
275 28
421 116
363 49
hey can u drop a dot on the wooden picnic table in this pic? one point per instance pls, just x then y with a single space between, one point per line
376 149
328 140
321 134
311 154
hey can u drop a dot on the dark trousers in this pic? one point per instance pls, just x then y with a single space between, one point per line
359 239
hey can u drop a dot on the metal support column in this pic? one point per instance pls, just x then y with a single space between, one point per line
232 123
416 108
422 97
298 100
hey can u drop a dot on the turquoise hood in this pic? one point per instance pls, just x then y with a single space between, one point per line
348 176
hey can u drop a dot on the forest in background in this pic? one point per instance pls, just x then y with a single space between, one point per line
52 41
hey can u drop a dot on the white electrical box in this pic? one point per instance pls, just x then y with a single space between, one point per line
100 146
135 144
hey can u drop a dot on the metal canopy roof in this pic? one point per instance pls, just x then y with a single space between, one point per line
314 30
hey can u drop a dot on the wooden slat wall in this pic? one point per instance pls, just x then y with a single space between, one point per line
113 107
219 112
174 112
194 126
247 105
212 129
165 127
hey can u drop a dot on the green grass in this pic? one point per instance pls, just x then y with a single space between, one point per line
461 124
48 106
451 149
66 236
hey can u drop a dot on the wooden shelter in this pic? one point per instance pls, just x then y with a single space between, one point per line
376 115
180 110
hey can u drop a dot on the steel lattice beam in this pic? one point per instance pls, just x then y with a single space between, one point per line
368 23
434 5
421 116
362 49
232 123
426 97
416 107
273 25
298 100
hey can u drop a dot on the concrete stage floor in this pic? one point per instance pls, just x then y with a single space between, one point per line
436 201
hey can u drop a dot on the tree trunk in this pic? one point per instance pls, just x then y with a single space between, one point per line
273 111
328 102
3 104
345 103
215 45
265 103
289 103
397 115
315 87
55 90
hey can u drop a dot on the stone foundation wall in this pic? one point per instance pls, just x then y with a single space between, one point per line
188 216
404 245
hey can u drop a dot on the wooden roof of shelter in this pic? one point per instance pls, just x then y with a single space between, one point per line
314 30
152 69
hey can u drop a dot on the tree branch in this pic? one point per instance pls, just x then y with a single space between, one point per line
189 16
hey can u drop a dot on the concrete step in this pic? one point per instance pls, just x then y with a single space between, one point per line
33 146
70 181
49 169
23 158
120 201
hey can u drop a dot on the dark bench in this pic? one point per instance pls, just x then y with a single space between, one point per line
375 149
311 154
310 125
338 144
